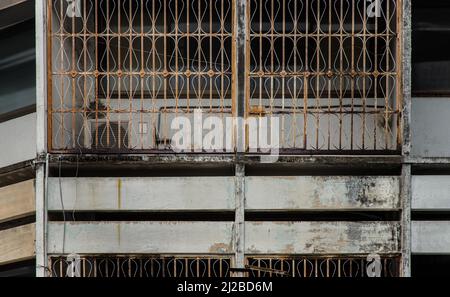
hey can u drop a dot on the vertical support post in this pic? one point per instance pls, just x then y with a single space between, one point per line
240 102
239 223
406 78
405 193
240 72
41 96
406 144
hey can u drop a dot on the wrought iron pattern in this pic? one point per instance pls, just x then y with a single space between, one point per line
319 266
124 68
121 70
140 266
328 68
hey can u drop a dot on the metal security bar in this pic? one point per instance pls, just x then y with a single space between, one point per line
121 70
320 266
330 70
139 266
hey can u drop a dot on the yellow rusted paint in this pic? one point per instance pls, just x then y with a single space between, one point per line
119 193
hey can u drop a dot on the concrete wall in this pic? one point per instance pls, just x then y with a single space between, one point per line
322 192
140 237
181 237
321 237
18 141
143 193
217 193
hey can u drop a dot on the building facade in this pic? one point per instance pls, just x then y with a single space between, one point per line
225 138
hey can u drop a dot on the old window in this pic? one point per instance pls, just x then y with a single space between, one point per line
327 70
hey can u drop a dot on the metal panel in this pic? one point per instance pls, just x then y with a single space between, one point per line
140 237
322 237
430 237
142 193
431 192
17 244
18 142
322 192
17 200
429 125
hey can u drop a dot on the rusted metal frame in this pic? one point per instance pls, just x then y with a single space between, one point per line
364 49
130 83
341 44
376 84
49 16
317 77
168 268
330 69
85 77
119 79
314 259
96 73
73 77
305 82
386 104
306 75
142 67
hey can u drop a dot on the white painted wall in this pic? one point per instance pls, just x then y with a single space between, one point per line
18 140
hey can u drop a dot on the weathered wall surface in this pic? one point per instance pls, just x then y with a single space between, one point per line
321 237
143 193
322 192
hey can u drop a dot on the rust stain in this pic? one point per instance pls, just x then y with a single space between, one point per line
119 193
289 249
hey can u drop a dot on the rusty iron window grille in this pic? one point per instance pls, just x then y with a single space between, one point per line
319 266
140 266
219 266
327 69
